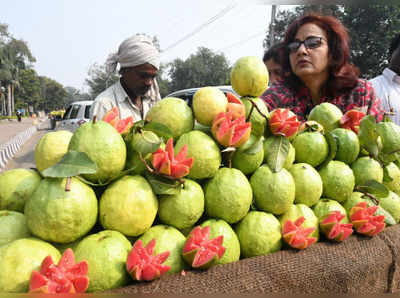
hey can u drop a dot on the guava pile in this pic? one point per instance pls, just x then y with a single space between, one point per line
121 202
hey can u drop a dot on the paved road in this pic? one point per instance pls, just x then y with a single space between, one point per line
10 128
24 158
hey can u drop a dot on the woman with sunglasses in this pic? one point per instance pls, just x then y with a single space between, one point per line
315 58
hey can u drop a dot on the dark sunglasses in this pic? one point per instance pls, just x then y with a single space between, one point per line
311 42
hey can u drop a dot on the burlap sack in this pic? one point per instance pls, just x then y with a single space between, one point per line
359 265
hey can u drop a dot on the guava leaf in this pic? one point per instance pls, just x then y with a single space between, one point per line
368 136
278 152
333 148
159 129
73 163
386 175
256 147
145 145
121 174
374 188
163 186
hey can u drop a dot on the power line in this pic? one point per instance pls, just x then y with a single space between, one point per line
220 14
242 41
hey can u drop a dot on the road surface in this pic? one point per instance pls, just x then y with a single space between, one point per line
24 158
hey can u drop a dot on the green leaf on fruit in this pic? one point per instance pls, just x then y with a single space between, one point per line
256 147
162 185
374 188
386 175
73 163
278 152
368 136
159 129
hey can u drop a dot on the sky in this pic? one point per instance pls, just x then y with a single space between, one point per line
68 36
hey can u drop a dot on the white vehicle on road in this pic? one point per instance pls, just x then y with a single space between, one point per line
75 115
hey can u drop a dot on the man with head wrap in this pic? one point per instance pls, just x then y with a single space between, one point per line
137 89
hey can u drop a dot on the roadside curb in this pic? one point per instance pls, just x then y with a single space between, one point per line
9 149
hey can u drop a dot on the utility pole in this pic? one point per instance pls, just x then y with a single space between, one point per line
272 26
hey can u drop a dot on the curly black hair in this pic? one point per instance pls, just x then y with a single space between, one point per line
394 44
273 53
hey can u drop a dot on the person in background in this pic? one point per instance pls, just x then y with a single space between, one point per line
19 115
315 60
387 85
272 62
137 90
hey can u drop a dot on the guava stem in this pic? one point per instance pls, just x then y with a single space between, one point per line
94 119
68 184
145 163
372 197
256 107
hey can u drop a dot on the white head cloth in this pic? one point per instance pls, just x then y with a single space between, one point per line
133 51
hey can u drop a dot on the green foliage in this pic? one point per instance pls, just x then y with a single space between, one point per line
99 80
371 28
205 68
52 93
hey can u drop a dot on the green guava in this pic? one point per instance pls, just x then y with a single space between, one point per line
17 261
394 172
311 148
259 233
174 113
391 204
12 226
348 145
257 120
245 162
16 186
326 206
133 160
338 180
205 152
290 157
184 209
61 216
326 114
128 205
167 239
296 211
104 146
390 136
208 102
366 168
308 184
106 253
273 192
249 76
231 242
51 148
228 195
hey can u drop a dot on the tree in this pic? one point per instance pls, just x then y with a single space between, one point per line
99 80
14 56
205 68
74 94
52 93
28 92
371 28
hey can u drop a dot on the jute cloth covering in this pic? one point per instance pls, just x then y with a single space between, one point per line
359 265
